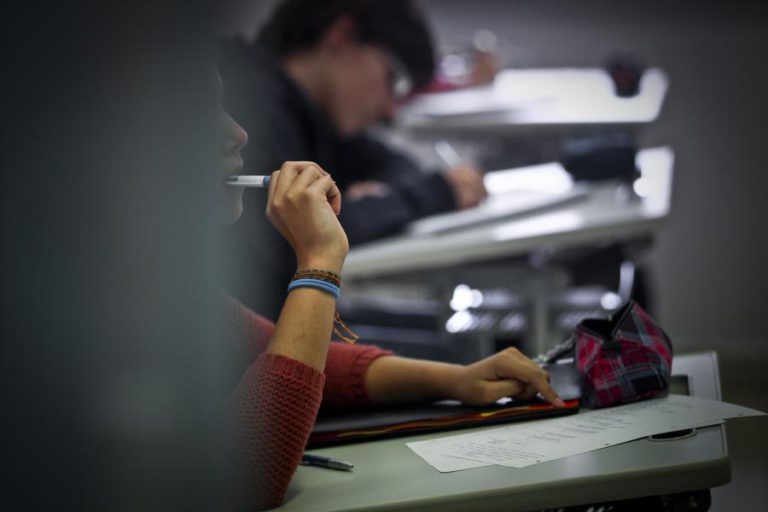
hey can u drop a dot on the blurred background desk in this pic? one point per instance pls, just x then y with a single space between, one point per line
525 101
470 291
388 476
529 116
609 212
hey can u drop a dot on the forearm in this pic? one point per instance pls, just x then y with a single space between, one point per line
303 331
395 379
505 374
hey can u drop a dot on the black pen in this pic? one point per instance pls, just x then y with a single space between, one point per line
325 462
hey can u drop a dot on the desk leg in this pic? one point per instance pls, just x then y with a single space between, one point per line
541 287
540 324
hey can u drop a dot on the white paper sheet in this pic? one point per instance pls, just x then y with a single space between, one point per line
447 463
523 444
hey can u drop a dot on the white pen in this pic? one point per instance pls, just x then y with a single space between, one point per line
448 154
239 180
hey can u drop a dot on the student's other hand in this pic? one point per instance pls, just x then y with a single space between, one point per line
506 373
303 205
466 182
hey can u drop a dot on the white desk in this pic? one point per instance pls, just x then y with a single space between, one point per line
388 476
600 217
533 100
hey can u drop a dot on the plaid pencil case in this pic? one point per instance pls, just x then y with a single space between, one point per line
625 358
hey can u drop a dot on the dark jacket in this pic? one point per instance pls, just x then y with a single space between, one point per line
282 124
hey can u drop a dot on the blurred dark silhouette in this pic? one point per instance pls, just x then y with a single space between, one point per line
110 367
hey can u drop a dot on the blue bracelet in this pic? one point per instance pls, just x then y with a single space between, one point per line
315 283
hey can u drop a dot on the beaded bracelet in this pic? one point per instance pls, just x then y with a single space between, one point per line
329 282
316 273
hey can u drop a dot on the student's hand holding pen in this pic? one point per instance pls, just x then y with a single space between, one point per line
466 181
506 373
303 205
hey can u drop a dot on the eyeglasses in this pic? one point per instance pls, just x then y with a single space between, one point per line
400 81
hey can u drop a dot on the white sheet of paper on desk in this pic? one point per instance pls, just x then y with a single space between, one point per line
524 444
447 463
523 191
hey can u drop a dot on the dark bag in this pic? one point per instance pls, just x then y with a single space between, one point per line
625 358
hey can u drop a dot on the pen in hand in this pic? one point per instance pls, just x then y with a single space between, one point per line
325 462
448 154
239 180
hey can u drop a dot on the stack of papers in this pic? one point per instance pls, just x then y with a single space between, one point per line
533 442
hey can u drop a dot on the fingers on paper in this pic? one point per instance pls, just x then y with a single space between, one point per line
519 367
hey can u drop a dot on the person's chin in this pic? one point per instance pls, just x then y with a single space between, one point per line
237 211
232 209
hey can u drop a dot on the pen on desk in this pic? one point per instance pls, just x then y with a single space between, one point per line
325 462
247 181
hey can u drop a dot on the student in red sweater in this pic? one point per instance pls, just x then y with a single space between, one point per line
295 367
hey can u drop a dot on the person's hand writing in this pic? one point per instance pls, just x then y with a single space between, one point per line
303 204
506 373
466 182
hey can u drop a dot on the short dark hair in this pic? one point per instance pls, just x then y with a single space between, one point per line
398 25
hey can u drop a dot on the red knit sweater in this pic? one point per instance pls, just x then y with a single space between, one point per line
277 401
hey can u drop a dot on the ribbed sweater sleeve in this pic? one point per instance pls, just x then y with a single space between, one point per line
276 404
345 374
277 400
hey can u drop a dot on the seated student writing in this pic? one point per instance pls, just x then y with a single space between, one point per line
295 367
318 76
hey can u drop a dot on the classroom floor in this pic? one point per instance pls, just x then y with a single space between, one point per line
745 382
